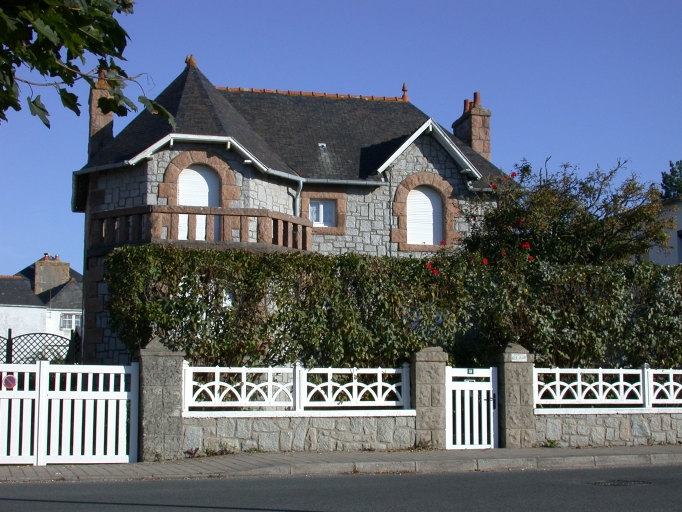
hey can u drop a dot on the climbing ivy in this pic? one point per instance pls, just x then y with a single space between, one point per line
241 308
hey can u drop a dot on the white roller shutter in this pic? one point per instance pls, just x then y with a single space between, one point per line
424 216
197 186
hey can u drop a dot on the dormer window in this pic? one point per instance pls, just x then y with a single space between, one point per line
323 213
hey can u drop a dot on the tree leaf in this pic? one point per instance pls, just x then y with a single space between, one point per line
70 101
38 109
155 108
45 31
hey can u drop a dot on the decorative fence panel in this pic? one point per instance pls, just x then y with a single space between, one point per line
40 346
68 414
554 388
294 389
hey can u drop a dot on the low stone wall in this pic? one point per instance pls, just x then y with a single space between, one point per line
610 429
216 435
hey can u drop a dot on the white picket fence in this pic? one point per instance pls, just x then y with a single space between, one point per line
646 387
215 390
68 413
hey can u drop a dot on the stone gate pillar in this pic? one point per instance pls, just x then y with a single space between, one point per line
160 434
515 397
427 369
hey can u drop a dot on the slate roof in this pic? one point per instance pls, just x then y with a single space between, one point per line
311 135
17 290
199 109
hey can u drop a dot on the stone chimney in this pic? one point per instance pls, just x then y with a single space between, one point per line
473 127
50 272
101 125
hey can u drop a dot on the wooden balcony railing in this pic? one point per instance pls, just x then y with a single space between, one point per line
147 223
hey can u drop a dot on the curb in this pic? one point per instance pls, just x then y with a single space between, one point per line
379 467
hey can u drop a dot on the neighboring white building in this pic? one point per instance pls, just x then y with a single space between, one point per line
661 256
45 297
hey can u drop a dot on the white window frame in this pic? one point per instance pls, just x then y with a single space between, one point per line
70 321
323 207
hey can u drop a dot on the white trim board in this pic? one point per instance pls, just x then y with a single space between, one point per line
375 413
608 410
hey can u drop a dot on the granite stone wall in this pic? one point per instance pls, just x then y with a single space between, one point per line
121 188
168 433
574 430
216 435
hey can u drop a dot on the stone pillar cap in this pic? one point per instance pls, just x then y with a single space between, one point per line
430 355
156 348
518 351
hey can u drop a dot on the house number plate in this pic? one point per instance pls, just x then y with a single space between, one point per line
519 358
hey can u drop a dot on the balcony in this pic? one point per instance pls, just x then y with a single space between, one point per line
234 226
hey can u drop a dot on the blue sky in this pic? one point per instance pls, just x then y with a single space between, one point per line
585 82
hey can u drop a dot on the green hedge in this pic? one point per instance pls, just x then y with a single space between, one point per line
236 307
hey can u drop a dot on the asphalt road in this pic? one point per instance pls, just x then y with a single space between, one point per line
650 489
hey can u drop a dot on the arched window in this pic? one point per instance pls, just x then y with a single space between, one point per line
198 185
424 216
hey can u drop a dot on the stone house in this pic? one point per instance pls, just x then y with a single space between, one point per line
273 170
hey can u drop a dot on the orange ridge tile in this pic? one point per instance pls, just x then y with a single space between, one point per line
314 94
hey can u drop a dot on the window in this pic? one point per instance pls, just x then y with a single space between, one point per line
198 185
424 216
70 321
323 213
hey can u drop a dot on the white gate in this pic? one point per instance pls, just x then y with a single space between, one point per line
68 413
470 408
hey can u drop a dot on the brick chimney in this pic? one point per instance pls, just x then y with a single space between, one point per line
101 125
473 127
50 272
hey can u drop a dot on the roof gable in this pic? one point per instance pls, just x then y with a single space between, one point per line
430 126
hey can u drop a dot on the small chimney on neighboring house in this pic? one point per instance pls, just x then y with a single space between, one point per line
101 125
473 127
49 272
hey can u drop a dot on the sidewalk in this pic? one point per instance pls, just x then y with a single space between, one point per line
334 463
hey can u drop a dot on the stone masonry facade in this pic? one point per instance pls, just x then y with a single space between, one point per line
139 185
220 435
582 430
370 215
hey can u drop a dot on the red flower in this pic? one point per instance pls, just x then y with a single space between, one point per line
493 185
484 261
519 222
503 254
525 245
530 258
513 175
442 242
435 271
429 266
505 176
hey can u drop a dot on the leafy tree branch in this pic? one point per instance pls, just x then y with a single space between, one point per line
54 38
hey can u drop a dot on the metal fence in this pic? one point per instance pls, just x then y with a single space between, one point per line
577 387
40 346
